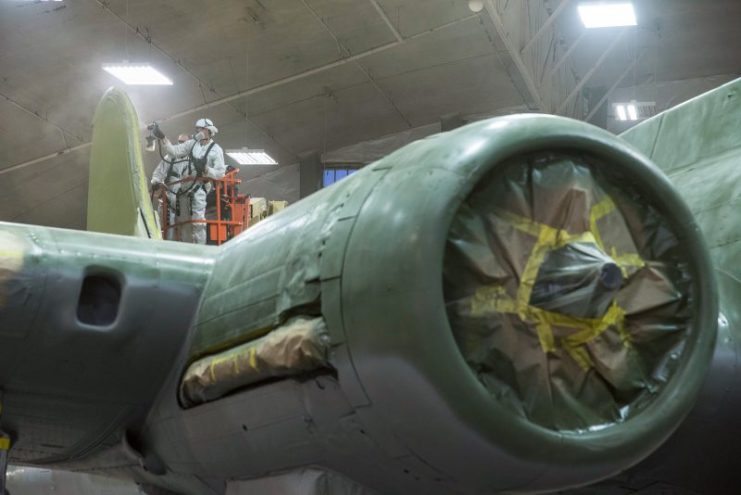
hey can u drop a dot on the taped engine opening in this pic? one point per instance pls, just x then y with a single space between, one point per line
299 346
567 293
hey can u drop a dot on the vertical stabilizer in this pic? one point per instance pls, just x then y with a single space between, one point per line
118 199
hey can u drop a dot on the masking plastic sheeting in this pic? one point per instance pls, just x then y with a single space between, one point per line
298 346
567 297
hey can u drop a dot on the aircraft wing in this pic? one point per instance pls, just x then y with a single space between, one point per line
698 145
118 197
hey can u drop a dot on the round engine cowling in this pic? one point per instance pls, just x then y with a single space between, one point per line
528 304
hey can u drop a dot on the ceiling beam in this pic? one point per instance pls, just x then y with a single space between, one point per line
343 49
44 158
551 19
64 132
514 54
386 19
316 70
612 89
566 55
591 71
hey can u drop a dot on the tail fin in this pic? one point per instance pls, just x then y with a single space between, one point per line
118 199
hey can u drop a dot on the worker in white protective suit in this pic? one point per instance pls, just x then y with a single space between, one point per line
205 158
165 180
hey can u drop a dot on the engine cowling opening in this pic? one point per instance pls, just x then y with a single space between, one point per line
568 293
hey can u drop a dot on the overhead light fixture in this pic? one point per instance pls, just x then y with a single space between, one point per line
635 110
621 113
246 156
632 112
607 14
138 74
476 6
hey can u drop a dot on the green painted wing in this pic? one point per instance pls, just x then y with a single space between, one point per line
698 145
118 197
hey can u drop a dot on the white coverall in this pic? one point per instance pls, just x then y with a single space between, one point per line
159 176
196 199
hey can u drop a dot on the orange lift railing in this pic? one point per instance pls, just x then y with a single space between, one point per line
230 216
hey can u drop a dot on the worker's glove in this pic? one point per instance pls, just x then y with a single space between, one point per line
156 131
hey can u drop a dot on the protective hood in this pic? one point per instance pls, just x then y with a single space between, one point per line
207 124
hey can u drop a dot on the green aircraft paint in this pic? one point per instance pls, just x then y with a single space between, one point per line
96 331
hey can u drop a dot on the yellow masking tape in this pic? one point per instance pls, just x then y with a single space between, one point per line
229 359
580 355
546 238
545 336
624 261
598 211
550 236
492 299
623 333
627 260
554 238
520 223
253 358
495 298
596 327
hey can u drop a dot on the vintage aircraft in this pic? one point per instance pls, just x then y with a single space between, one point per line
524 304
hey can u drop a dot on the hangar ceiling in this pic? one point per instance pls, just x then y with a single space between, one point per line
294 77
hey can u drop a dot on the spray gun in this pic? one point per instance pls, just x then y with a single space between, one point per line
154 134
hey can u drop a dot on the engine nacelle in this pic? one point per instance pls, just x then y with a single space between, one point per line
522 304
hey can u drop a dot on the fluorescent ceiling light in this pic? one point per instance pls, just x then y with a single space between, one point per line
251 157
621 115
632 112
138 74
607 14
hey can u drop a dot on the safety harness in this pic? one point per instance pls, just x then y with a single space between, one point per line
199 163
